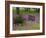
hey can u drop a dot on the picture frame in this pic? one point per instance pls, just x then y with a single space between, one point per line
10 32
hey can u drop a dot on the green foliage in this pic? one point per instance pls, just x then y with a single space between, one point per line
26 10
29 11
14 10
19 20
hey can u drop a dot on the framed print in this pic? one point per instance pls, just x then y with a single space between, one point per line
24 18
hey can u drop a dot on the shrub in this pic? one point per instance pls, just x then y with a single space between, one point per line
19 20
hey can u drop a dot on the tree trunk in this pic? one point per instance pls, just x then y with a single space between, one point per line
17 10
